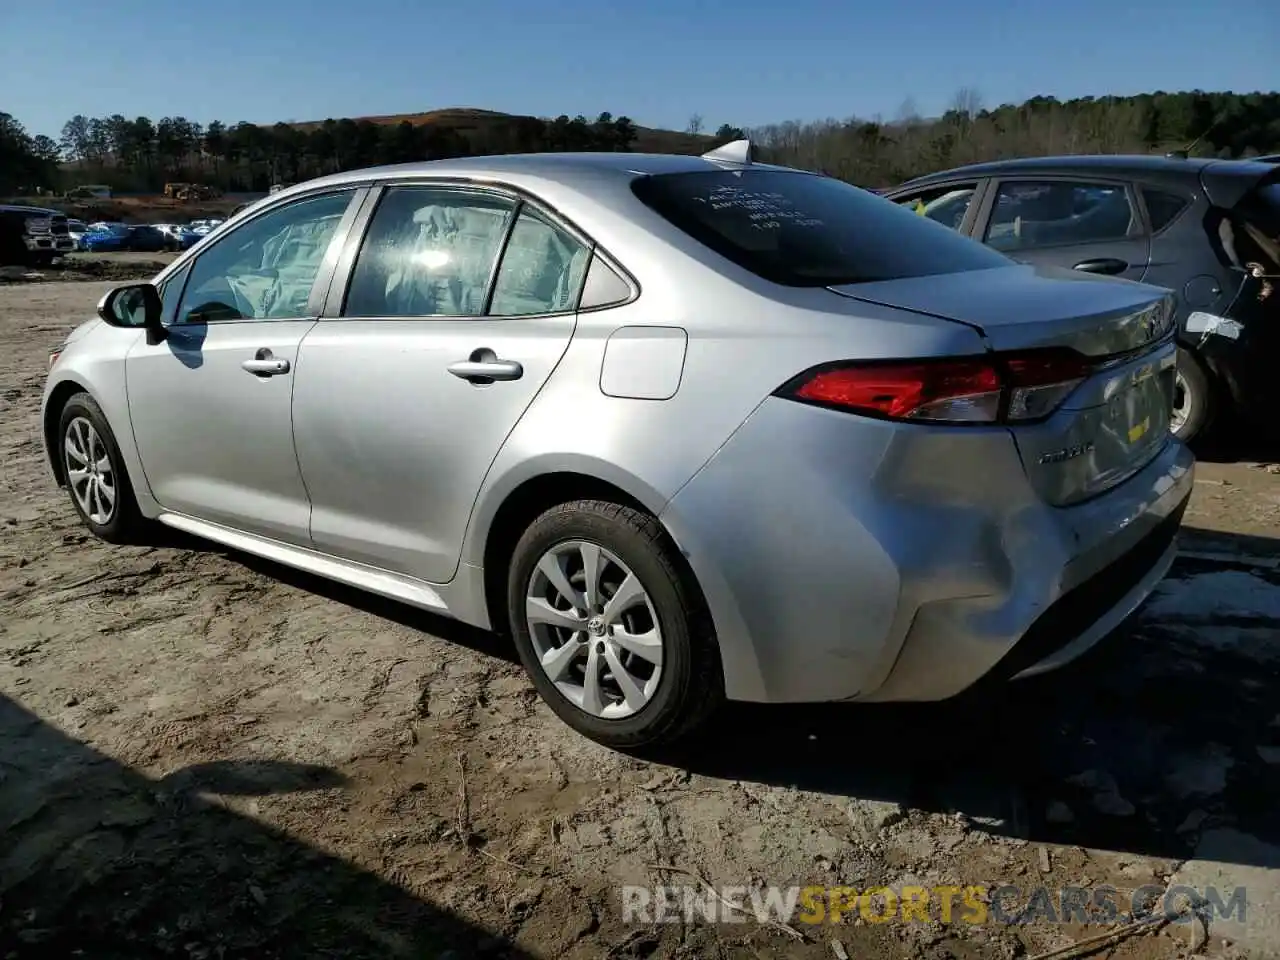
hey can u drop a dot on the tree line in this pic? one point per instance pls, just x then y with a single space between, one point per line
879 152
142 154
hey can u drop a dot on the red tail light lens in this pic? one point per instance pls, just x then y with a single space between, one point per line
994 388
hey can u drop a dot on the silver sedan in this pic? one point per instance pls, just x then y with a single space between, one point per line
684 428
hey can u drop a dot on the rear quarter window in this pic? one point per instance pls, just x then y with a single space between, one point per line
801 229
1162 207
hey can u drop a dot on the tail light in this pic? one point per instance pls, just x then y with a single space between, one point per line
1019 387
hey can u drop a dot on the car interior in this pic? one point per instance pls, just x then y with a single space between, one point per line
435 259
1055 216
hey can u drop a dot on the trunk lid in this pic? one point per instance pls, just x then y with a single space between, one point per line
1021 307
1117 419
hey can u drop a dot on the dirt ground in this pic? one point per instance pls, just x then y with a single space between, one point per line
204 755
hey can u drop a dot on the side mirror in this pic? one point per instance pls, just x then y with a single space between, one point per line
134 305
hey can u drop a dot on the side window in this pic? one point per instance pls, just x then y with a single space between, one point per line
947 205
428 252
265 269
1162 208
542 269
603 286
1028 215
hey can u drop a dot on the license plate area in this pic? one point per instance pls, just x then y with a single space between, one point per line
1116 422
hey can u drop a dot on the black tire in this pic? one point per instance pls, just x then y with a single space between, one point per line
125 523
691 686
1196 390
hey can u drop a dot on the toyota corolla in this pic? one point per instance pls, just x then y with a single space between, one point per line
684 428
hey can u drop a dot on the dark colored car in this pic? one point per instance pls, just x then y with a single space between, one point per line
1207 229
106 238
147 239
33 236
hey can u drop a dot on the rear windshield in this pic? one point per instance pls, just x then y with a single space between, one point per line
804 230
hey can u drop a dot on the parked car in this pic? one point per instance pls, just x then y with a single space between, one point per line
32 236
685 428
76 229
1192 225
145 238
185 238
202 228
106 238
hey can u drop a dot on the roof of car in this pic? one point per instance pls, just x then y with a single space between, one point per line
1102 165
22 208
561 167
1225 182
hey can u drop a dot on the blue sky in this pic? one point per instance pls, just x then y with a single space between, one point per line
658 61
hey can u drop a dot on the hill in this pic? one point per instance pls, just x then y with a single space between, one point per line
472 122
140 155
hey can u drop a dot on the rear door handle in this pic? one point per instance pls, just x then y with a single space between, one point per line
1106 265
486 370
264 364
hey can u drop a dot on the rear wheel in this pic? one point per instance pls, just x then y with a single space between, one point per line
609 627
1194 400
97 479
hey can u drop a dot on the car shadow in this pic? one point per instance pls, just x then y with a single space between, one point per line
484 642
1236 441
1155 736
1168 728
98 859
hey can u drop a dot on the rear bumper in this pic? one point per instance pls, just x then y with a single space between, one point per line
844 558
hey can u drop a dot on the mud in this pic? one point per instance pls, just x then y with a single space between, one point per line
206 755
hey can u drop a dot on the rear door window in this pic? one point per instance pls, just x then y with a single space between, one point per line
542 269
1031 215
1162 207
429 252
801 229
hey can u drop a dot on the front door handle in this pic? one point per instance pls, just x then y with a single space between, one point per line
483 366
1105 265
264 364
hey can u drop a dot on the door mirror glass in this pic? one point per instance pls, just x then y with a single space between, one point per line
135 305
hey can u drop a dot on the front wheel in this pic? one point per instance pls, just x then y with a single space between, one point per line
95 473
609 626
1194 400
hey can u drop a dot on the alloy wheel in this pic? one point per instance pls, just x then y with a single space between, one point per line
1183 404
89 473
594 629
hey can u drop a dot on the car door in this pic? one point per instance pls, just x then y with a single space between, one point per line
210 403
459 304
1084 224
953 204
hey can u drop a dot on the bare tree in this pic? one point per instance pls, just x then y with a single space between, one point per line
967 103
695 124
908 112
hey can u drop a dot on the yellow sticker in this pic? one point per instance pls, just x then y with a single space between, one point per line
1138 429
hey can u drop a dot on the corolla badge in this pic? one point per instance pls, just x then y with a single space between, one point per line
1067 453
